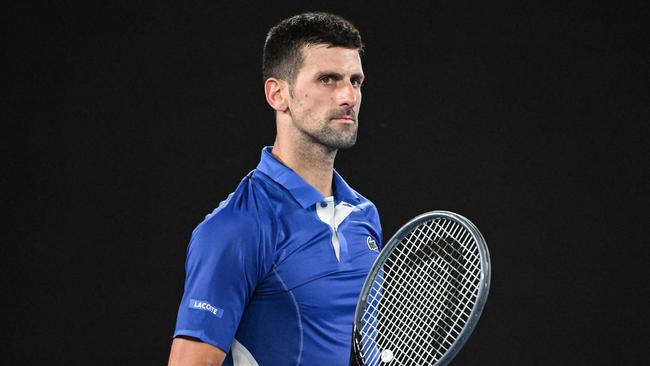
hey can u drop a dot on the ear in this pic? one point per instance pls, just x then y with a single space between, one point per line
277 92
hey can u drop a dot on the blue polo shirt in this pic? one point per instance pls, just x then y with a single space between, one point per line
274 273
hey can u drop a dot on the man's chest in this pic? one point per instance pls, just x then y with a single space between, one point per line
323 264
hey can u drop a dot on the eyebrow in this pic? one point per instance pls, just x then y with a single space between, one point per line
339 76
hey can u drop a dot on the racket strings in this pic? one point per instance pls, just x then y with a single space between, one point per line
435 327
414 328
418 313
439 280
417 310
465 276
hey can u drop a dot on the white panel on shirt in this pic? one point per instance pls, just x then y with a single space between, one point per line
334 216
241 356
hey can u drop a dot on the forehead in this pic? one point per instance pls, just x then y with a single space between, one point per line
323 57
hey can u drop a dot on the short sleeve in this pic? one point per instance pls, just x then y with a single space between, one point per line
226 258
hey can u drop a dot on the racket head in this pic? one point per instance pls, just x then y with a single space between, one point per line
370 345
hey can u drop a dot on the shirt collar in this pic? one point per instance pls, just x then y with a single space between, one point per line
301 191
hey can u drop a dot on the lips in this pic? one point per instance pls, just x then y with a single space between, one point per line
344 119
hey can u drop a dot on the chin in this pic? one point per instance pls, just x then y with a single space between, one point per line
341 145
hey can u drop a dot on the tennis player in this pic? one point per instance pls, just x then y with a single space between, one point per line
273 274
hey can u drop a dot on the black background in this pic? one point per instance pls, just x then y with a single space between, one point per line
125 123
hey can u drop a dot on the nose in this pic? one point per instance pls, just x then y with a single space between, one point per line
349 95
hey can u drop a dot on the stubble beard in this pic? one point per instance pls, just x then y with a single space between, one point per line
326 135
332 138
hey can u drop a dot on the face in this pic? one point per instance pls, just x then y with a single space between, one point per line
325 98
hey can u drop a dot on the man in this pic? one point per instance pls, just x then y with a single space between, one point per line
274 273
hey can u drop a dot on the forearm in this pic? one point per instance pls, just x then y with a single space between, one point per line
190 352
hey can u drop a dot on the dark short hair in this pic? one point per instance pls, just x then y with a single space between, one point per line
284 43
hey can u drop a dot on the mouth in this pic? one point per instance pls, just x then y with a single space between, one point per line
344 119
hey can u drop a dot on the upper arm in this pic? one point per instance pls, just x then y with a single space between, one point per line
186 351
227 257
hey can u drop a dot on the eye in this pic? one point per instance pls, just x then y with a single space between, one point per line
356 81
326 79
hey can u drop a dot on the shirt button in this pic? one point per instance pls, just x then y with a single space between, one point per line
323 204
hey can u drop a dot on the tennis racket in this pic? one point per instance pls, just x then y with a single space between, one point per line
423 295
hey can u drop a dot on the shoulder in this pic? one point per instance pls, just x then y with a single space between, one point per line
352 196
369 213
365 204
239 217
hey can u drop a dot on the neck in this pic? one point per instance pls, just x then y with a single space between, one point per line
313 163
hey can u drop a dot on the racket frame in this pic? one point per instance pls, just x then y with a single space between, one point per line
481 298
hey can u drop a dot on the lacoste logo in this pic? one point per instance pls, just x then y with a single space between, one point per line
372 244
205 306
